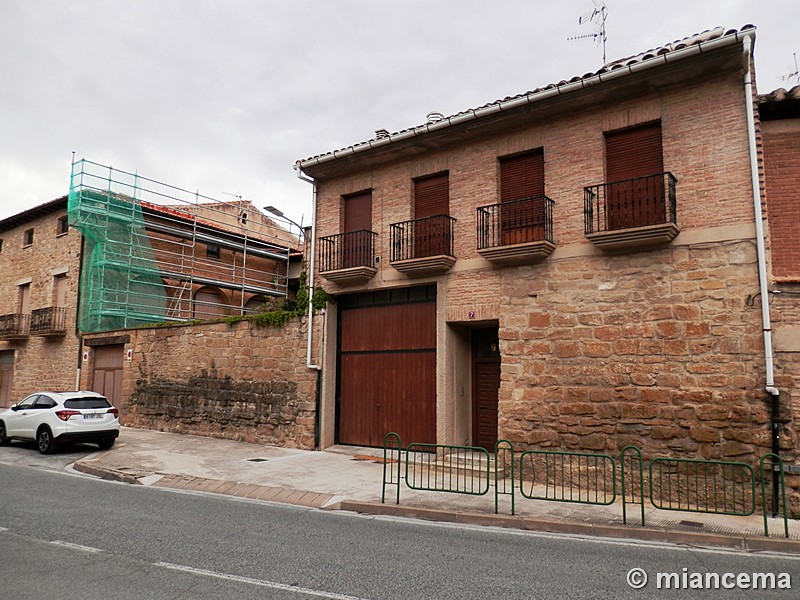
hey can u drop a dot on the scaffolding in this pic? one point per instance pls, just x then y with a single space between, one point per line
156 253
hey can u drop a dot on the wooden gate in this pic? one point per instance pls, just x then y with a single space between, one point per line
107 372
387 367
6 376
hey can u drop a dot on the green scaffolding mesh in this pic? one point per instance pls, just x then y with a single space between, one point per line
120 283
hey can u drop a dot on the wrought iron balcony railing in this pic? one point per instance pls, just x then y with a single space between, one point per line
420 238
14 326
515 222
632 203
347 250
49 321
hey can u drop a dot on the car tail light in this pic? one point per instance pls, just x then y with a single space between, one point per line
113 411
64 415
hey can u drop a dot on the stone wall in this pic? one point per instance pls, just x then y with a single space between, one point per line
231 381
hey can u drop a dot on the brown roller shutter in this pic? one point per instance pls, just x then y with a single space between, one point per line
358 212
633 154
432 196
522 176
431 199
355 248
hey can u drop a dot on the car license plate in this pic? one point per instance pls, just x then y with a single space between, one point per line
93 416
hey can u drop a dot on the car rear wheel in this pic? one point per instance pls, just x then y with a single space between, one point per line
45 442
106 443
4 441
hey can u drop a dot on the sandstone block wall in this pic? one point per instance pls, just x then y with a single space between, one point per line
41 362
231 381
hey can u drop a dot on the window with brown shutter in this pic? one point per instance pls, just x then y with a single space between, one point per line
636 197
356 248
431 207
522 217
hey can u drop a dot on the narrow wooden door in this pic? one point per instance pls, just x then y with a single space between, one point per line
107 372
485 387
6 377
522 210
432 200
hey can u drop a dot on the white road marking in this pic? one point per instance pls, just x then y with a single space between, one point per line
75 546
259 582
2 529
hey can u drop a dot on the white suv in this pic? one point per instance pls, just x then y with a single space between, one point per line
52 418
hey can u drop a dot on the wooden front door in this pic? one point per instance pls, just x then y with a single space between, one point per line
107 372
485 387
387 369
6 376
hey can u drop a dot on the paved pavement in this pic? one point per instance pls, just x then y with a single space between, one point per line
349 478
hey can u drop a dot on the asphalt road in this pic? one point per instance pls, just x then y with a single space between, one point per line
63 534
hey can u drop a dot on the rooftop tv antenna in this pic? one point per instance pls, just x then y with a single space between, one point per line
598 18
794 75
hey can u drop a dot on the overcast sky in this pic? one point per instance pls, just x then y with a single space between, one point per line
224 96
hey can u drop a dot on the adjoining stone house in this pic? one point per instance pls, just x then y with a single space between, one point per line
39 273
56 295
574 267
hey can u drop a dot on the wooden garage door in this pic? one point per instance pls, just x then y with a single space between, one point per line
387 367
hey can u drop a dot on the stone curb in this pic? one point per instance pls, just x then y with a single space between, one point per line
586 529
104 473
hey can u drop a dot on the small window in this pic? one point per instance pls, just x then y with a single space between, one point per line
27 238
212 251
63 225
243 218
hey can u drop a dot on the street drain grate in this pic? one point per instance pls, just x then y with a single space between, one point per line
692 524
257 459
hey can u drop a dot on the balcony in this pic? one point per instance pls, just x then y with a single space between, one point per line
516 232
348 257
49 322
423 246
14 326
631 215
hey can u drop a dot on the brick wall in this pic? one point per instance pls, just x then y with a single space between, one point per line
39 362
781 142
231 381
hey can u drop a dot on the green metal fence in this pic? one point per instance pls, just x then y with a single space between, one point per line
448 468
705 486
675 484
568 477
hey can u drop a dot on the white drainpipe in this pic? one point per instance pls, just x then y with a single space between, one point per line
311 265
762 264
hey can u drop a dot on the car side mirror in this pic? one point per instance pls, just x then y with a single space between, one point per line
14 407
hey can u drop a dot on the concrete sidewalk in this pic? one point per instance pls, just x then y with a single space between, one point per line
348 478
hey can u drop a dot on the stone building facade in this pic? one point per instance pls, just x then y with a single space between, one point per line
581 262
39 275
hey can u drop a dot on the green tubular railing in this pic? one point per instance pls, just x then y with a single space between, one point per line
459 475
702 486
776 464
636 470
503 461
569 476
392 454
